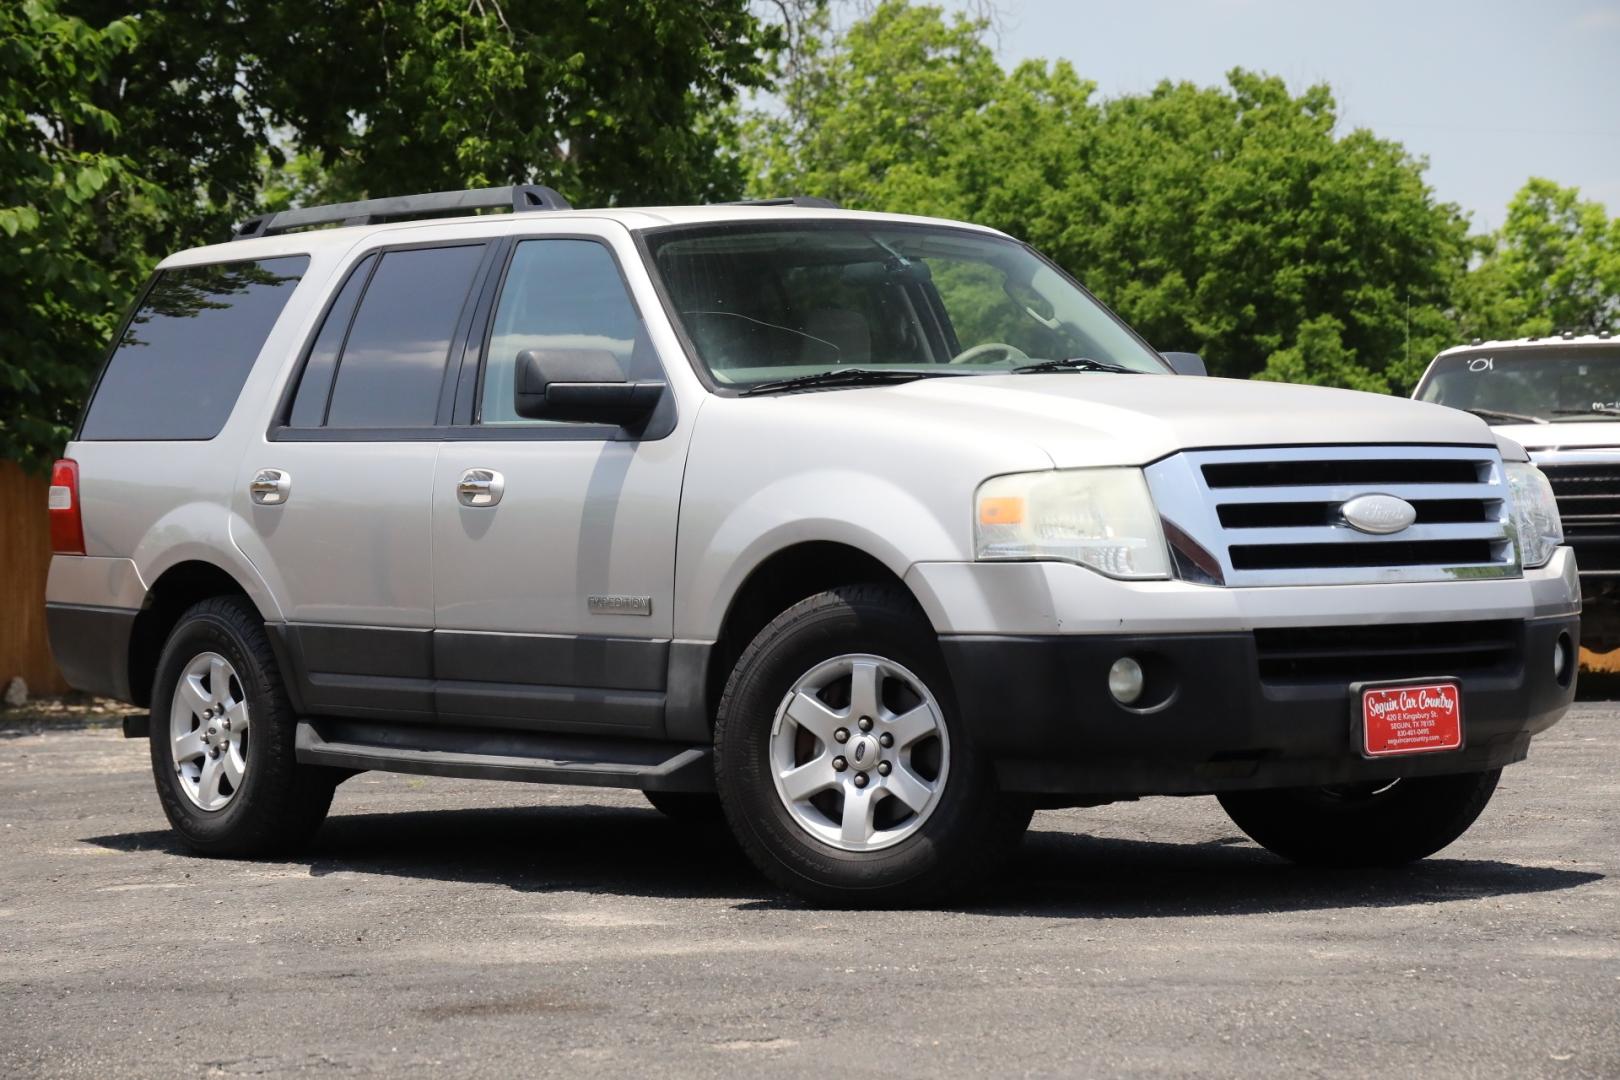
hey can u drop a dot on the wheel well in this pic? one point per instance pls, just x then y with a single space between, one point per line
179 587
775 585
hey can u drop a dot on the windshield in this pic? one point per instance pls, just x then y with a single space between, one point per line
1559 384
772 301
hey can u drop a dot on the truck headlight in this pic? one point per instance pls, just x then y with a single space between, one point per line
1535 513
1101 518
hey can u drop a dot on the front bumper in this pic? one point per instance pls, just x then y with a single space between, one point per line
1218 716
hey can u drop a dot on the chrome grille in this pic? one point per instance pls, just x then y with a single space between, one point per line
1270 516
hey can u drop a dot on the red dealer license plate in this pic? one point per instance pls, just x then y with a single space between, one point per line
1417 718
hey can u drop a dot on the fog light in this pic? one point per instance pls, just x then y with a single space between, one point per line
1559 660
1563 659
1125 680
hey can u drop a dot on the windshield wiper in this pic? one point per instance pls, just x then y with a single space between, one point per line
1506 417
1596 410
849 376
1073 363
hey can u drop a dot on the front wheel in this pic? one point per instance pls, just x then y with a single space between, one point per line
1382 823
842 766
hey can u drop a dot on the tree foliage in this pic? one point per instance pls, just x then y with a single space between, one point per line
1554 265
606 101
71 216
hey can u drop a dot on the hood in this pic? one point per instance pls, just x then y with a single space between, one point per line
1575 435
1096 418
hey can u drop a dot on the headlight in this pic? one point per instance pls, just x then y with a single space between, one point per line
1101 518
1535 513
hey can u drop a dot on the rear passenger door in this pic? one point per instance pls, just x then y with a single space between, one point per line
554 603
339 492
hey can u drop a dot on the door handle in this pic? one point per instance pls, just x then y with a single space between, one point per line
480 487
270 487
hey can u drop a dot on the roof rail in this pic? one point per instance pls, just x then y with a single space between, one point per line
815 201
519 197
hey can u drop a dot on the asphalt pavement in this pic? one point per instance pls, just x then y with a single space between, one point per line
448 928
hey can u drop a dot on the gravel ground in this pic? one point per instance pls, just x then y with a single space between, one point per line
447 928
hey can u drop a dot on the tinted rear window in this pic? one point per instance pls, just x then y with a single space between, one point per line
181 363
391 372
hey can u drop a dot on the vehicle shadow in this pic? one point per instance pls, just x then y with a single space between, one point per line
584 848
1071 874
1057 874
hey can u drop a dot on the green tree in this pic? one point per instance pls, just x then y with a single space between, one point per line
608 102
1223 219
1554 265
71 217
867 114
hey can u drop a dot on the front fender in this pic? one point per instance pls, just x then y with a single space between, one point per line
718 551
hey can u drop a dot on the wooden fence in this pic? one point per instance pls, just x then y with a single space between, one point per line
25 557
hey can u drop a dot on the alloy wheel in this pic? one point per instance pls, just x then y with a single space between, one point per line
859 752
208 729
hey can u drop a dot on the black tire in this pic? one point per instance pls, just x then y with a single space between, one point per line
688 807
969 832
280 803
1363 825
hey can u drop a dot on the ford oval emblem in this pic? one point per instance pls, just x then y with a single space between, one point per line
1378 514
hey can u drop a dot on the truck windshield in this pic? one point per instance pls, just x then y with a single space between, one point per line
770 301
1559 384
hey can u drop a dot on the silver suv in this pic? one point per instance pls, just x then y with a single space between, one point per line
876 533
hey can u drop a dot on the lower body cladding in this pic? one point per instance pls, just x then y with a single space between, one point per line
538 708
1269 708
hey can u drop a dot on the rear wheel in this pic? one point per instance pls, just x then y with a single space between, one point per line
842 766
1382 823
222 738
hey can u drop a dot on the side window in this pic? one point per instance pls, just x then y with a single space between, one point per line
181 363
391 370
560 294
315 385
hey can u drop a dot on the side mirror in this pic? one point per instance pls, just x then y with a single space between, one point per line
584 385
1185 363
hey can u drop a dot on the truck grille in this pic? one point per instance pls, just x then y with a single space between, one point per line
1589 504
1272 516
1372 653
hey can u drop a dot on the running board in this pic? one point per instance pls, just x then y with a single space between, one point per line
506 755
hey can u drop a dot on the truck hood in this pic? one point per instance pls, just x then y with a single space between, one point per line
1578 435
1096 418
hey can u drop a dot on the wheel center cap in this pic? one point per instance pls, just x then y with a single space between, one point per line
862 753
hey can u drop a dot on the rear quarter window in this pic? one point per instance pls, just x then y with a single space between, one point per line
178 368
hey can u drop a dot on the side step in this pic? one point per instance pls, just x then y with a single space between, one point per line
506 755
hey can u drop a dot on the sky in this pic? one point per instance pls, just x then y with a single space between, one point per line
1491 92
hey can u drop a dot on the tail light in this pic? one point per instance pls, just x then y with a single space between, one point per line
67 525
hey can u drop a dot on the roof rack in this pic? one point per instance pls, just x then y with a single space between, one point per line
815 201
519 197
